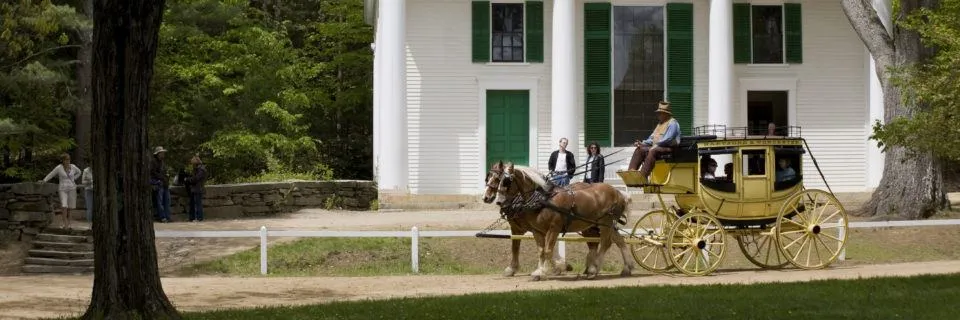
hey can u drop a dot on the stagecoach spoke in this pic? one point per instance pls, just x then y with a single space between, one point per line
802 245
831 216
831 237
795 241
682 253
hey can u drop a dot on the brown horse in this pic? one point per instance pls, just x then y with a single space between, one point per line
568 210
519 227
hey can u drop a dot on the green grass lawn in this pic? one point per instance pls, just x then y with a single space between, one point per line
391 256
921 297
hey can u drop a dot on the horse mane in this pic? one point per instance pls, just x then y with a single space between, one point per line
533 175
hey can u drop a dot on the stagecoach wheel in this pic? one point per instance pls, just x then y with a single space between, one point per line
810 229
652 226
761 250
695 243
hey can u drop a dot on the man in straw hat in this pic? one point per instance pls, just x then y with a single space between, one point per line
663 139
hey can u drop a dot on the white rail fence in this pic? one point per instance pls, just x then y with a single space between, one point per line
415 234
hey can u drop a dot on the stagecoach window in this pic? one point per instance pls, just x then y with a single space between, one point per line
787 169
754 163
507 35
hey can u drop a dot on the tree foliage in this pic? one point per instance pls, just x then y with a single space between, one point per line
262 89
37 103
931 89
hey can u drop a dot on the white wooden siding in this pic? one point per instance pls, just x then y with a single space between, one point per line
831 106
442 97
442 94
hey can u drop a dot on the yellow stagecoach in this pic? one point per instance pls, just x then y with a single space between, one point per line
760 200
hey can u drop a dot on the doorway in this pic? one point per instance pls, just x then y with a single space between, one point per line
765 107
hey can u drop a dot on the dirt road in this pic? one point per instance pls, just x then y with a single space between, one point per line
53 296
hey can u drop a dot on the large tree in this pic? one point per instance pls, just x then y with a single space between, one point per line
82 119
912 184
126 283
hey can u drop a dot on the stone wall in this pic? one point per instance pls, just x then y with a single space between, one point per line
30 206
264 199
26 207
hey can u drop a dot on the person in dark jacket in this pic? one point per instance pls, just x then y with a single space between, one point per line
161 185
194 185
563 171
593 172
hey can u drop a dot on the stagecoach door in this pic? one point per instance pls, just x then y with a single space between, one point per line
508 126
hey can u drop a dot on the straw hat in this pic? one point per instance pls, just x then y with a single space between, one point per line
159 150
664 107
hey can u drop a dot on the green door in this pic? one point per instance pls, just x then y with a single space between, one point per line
508 126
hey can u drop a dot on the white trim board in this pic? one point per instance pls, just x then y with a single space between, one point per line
531 84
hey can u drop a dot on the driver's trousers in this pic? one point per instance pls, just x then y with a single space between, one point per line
649 157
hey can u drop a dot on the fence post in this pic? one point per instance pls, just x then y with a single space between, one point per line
843 252
562 249
263 250
415 249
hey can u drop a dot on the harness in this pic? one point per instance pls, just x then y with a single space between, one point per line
535 200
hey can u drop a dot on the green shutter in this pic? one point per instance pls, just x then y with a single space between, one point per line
596 73
534 25
793 31
481 31
680 63
741 33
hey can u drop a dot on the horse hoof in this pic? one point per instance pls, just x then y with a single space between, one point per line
625 273
591 276
509 272
536 278
569 268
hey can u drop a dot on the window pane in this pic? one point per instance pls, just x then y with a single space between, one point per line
507 29
638 79
767 34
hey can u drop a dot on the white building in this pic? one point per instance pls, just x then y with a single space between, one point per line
459 83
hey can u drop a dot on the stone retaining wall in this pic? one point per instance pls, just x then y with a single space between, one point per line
29 206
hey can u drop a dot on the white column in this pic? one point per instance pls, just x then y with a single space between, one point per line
720 94
563 113
392 104
720 71
875 158
376 100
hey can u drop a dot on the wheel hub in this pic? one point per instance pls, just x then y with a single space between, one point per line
815 229
701 244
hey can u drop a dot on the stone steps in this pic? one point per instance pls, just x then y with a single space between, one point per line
59 262
46 237
56 269
59 251
63 246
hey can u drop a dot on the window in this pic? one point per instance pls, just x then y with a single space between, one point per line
715 179
754 163
507 32
767 34
787 167
638 71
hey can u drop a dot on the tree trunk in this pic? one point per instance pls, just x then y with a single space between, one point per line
912 184
126 283
82 154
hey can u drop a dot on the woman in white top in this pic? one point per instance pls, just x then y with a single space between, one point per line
67 175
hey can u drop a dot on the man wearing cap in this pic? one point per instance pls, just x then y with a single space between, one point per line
161 183
663 139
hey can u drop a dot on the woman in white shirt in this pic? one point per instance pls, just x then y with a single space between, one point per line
67 175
